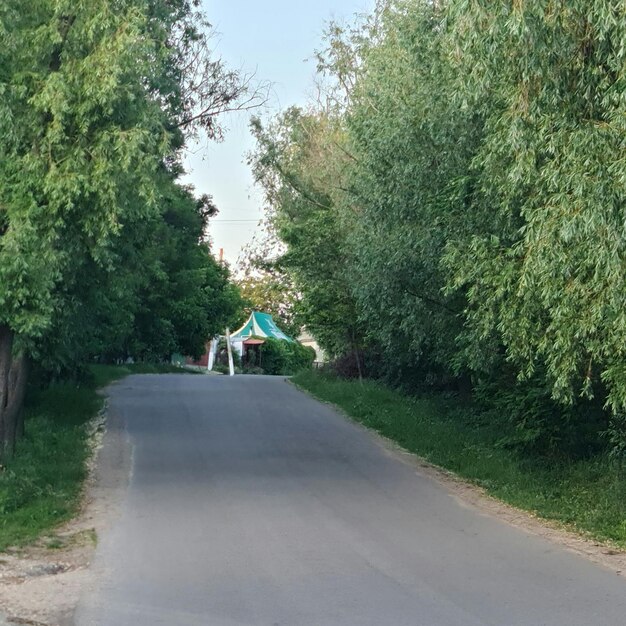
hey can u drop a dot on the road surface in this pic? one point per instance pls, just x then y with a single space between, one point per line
249 503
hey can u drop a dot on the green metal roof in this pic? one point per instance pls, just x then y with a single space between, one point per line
260 325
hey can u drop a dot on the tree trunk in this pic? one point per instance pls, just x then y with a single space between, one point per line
357 356
358 364
13 376
14 410
6 351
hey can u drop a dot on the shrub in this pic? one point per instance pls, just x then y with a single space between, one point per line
531 421
285 358
221 358
300 357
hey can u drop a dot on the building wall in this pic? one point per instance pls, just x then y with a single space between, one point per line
307 340
203 361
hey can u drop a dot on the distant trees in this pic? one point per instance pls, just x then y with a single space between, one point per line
98 243
269 290
463 175
299 187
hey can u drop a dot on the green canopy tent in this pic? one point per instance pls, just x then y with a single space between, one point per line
261 326
258 328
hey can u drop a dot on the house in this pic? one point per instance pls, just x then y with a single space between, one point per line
306 339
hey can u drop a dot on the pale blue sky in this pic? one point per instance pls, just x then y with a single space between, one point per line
277 39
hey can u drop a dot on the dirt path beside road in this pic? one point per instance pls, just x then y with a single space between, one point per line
40 584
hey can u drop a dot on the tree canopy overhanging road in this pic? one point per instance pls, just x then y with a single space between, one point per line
444 217
250 503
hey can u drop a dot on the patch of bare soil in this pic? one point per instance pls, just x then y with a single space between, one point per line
41 584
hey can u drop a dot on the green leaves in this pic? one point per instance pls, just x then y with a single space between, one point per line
101 251
80 147
549 167
471 161
299 164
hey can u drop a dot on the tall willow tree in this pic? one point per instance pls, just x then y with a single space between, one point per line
548 276
300 172
480 203
410 150
95 99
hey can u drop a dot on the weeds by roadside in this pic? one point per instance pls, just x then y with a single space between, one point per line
586 495
40 487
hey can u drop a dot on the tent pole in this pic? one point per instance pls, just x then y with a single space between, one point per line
231 365
212 351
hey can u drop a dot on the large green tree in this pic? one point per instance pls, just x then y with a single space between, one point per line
477 211
299 190
545 271
410 148
166 293
80 140
96 99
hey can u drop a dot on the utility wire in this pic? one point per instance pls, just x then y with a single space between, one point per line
232 221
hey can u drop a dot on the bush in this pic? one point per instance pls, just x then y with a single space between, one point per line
300 357
285 358
530 421
221 358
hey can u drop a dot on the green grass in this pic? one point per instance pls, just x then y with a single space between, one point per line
103 375
40 487
586 496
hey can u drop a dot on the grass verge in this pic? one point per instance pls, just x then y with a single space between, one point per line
40 487
586 495
106 374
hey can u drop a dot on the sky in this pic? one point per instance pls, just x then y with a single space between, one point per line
277 40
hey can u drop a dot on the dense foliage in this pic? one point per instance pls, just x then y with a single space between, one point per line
298 190
271 291
454 204
278 357
102 252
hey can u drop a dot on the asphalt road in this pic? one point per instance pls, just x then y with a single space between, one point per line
249 504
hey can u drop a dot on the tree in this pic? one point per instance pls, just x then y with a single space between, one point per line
464 172
80 141
298 192
96 100
410 147
545 272
273 292
167 293
188 297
